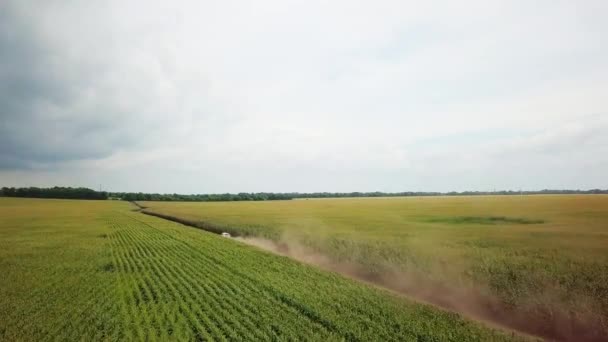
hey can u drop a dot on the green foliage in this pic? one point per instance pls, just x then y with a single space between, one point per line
544 257
139 196
54 192
84 193
269 196
96 270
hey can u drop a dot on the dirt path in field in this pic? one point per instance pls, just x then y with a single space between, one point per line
471 303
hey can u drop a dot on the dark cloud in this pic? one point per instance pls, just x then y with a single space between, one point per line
44 119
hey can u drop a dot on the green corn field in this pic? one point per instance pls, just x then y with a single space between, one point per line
97 270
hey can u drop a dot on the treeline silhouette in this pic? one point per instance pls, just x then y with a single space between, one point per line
260 196
54 192
85 193
269 196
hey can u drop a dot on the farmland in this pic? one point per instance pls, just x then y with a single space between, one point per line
97 270
539 263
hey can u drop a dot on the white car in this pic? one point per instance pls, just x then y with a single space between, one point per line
226 235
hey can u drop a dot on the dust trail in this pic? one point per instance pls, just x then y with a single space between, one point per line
474 302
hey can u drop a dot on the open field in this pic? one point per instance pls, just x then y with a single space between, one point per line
96 270
538 263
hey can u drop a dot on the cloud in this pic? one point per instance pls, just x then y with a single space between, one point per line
288 95
48 115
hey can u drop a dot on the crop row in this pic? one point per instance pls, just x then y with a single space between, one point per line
161 271
98 271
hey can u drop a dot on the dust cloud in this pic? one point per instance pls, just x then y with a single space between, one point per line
474 301
549 322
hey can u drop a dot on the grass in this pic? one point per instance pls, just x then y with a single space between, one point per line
96 270
542 257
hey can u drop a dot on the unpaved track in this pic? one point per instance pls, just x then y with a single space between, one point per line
469 303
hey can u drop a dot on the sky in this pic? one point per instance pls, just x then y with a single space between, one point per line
248 96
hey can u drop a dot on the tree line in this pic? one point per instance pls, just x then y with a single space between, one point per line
54 192
260 196
85 193
269 196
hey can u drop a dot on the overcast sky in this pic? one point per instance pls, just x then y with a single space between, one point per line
230 96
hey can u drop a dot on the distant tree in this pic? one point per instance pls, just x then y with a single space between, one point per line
55 192
85 193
